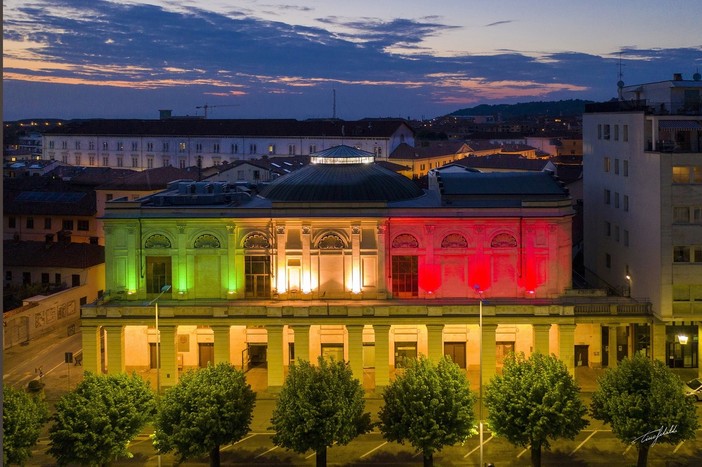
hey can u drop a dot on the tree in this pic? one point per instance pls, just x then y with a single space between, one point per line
95 422
22 419
534 400
644 403
208 407
318 407
430 406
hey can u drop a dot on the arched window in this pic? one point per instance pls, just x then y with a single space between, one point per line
405 241
454 240
206 241
256 241
330 241
157 241
503 240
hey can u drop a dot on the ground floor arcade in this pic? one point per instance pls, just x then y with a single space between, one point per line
378 349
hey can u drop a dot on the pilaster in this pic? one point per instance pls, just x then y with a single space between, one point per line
566 346
435 342
90 337
222 344
541 338
302 342
276 375
382 356
114 347
355 337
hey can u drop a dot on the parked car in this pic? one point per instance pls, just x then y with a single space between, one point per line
693 388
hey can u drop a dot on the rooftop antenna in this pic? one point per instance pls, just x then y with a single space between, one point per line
333 103
620 83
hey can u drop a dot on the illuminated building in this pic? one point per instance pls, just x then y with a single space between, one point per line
345 259
643 206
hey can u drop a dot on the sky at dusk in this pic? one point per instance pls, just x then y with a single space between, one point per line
287 59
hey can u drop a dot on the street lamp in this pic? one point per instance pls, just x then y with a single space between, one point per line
480 370
164 289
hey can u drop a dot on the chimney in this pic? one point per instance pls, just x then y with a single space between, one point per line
677 77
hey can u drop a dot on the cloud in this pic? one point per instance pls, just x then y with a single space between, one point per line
498 23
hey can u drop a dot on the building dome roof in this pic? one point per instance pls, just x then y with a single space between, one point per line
335 175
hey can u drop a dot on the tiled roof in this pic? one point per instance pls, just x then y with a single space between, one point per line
54 254
503 161
151 179
368 128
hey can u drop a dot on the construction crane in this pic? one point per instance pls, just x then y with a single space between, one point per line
207 106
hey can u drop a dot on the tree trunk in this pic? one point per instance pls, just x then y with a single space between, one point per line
428 460
535 455
643 455
322 457
214 457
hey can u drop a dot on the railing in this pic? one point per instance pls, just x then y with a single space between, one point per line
649 107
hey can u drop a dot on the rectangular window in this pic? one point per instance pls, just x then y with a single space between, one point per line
607 229
240 175
29 223
681 174
57 278
91 145
164 147
77 145
681 215
257 175
12 222
182 147
181 163
198 147
135 162
292 149
405 277
47 223
83 225
696 215
313 148
105 146
67 224
235 148
697 254
608 260
51 144
135 146
607 196
271 149
625 133
64 144
616 233
599 131
215 148
616 166
44 277
120 146
681 254
150 147
26 278
626 203
91 161
149 162
616 199
605 133
105 161
616 132
120 161
606 164
257 273
75 280
697 175
166 161
625 238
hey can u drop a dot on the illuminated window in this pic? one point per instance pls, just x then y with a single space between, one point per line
158 274
405 277
257 272
182 147
681 174
405 241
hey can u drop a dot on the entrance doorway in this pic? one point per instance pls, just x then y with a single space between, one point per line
152 356
457 352
258 355
206 354
581 353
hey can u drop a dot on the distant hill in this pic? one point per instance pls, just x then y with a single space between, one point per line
524 109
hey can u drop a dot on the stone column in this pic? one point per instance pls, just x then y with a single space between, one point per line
658 339
233 285
181 280
169 356
489 350
382 270
90 337
382 356
435 342
355 336
276 375
566 346
612 356
541 338
281 265
222 343
306 270
302 342
115 349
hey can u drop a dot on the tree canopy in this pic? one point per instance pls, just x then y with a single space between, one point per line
23 416
318 407
430 406
208 407
95 422
643 402
534 400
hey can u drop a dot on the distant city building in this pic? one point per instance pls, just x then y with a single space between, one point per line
643 206
181 143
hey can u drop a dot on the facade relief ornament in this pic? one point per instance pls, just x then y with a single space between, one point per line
157 241
231 228
206 241
503 240
181 228
256 241
306 230
405 241
454 240
355 229
280 229
330 242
